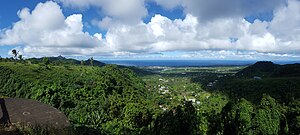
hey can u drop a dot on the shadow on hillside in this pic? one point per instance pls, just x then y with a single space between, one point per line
5 116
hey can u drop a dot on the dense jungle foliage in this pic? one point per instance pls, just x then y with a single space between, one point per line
107 99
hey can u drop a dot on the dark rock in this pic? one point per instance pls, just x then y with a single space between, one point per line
31 112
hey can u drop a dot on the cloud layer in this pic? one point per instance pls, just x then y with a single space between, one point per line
46 30
204 28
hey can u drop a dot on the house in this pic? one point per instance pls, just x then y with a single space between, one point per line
210 84
192 100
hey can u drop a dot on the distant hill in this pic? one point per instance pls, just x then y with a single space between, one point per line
282 82
67 61
138 71
289 70
63 60
269 69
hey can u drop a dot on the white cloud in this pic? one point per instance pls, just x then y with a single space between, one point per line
286 27
281 35
237 55
46 28
162 34
31 23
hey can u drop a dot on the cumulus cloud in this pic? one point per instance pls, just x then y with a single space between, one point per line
162 34
285 26
281 35
46 28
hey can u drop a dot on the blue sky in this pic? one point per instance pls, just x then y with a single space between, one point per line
152 29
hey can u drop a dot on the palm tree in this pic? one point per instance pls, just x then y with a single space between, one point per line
15 53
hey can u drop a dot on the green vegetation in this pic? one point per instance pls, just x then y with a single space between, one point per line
92 97
110 99
273 91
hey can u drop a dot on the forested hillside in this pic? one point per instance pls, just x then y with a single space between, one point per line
269 69
97 100
113 100
92 97
279 88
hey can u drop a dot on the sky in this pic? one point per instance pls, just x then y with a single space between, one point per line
152 29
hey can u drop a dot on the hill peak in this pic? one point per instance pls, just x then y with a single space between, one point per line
260 68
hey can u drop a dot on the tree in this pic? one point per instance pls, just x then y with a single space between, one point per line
293 117
46 61
237 117
15 53
138 114
20 57
92 61
181 120
268 118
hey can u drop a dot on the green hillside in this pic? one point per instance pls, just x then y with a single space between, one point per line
269 69
252 84
280 81
97 100
88 95
64 61
261 69
113 99
289 70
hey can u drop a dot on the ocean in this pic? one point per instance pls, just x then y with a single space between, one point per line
186 63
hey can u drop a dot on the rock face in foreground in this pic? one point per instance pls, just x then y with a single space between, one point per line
27 111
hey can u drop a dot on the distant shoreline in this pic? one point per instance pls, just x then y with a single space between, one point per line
187 63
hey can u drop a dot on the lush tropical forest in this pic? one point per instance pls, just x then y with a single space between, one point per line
262 99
